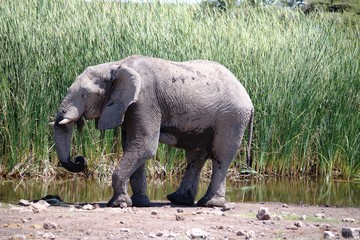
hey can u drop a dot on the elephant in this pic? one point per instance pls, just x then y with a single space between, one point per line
198 106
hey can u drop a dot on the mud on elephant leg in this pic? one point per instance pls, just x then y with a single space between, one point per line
138 186
186 193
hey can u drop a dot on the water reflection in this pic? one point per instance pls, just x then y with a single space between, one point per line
307 191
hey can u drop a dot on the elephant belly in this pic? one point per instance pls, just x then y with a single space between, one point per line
190 139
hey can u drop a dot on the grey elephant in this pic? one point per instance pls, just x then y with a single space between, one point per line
197 105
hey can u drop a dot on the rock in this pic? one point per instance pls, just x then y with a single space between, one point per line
154 212
278 217
197 233
180 210
250 234
36 226
285 205
88 207
49 225
18 237
230 229
326 227
303 217
240 233
320 215
48 236
152 235
228 206
291 227
263 214
299 224
179 217
200 212
24 202
124 230
24 220
348 232
39 206
351 220
329 234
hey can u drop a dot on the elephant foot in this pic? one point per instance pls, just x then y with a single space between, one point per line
140 201
121 201
181 199
213 202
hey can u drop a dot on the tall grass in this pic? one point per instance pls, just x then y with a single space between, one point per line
302 72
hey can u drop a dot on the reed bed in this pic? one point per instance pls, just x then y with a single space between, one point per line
302 72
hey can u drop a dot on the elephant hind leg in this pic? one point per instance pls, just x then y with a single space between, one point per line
225 147
186 193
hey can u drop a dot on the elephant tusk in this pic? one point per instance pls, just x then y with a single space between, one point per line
51 124
64 121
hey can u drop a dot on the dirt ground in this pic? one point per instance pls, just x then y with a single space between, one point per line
165 221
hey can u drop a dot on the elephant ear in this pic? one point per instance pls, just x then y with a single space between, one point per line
124 91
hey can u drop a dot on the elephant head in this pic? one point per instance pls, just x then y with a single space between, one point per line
102 92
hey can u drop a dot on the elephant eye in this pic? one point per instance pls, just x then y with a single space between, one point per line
110 104
84 95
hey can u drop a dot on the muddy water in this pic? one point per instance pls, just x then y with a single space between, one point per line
291 191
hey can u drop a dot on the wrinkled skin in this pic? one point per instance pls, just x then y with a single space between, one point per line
198 105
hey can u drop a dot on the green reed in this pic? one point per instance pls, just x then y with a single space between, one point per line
302 73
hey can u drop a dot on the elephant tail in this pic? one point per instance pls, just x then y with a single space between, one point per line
250 132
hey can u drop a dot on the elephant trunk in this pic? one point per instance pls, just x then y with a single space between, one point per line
62 136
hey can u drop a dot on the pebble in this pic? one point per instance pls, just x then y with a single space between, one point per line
48 236
285 205
263 214
179 217
180 210
320 215
124 230
197 233
240 233
278 217
303 217
348 232
351 220
154 212
88 207
250 234
329 234
299 224
228 206
24 220
18 237
326 227
291 227
39 206
49 225
24 202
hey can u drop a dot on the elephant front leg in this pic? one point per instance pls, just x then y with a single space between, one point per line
132 166
120 178
138 186
120 197
186 193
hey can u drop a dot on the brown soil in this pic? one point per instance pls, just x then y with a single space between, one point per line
165 221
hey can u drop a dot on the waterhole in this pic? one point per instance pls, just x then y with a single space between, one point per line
290 191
